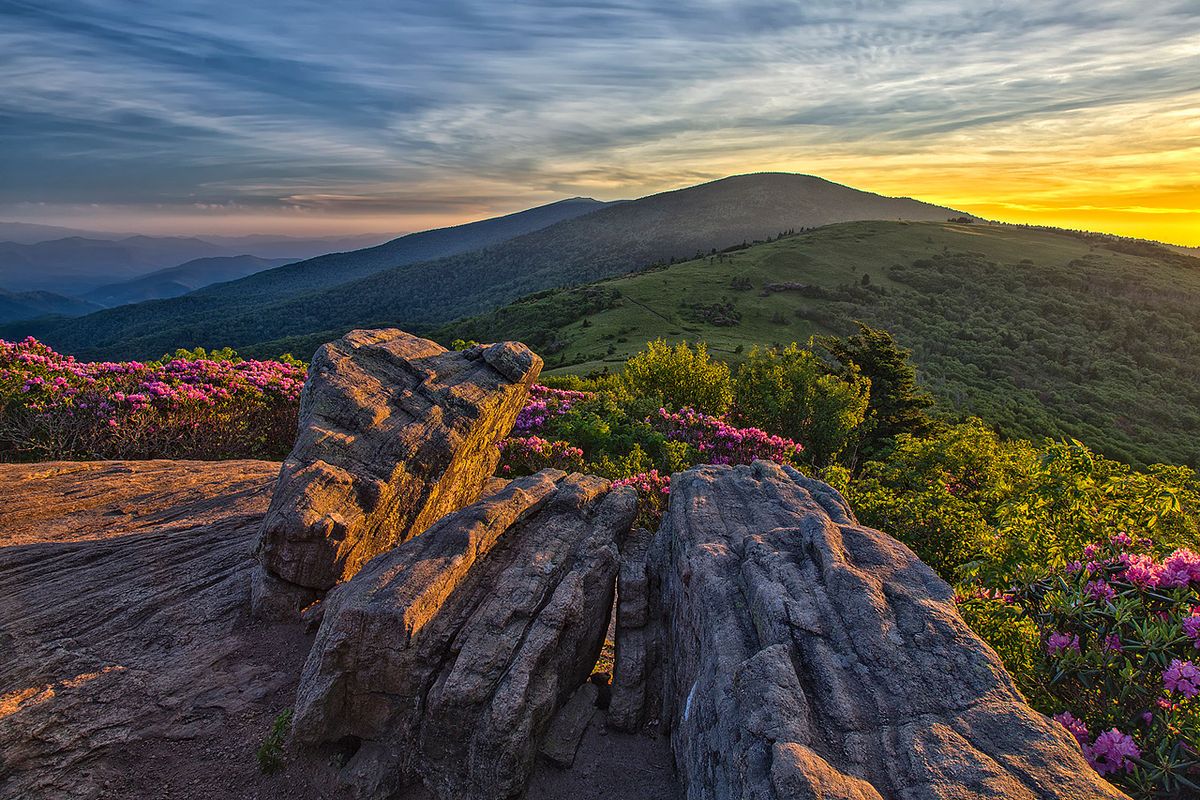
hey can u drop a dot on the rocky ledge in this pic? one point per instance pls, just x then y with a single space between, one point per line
395 432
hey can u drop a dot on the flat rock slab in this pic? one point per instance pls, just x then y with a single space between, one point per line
125 666
806 656
445 659
395 432
566 731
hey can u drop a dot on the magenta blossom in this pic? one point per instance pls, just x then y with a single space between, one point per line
1074 726
1058 642
1182 677
1111 752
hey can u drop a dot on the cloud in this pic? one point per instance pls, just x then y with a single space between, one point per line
402 108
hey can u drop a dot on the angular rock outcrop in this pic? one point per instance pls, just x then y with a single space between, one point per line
806 656
395 432
446 658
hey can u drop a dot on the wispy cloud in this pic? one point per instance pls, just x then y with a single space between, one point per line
403 111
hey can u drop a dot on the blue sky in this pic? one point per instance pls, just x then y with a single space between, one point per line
353 116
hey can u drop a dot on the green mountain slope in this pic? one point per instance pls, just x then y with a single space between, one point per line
218 312
610 241
1041 333
16 306
187 277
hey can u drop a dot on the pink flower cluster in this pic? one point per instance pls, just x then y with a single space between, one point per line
647 483
722 443
653 491
527 454
1179 570
1061 642
1110 752
48 399
544 403
1182 677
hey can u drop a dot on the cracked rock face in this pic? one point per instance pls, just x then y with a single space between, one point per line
806 656
447 657
395 432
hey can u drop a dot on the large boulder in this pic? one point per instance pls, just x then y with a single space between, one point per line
445 659
395 432
803 655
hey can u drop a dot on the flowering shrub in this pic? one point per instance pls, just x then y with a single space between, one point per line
1120 632
653 491
545 403
52 406
718 442
525 455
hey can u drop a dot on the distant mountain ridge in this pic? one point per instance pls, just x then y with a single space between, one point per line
376 289
18 306
74 265
176 281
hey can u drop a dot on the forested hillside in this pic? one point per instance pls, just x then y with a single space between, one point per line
301 299
1041 333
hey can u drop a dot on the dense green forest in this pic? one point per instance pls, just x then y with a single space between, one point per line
1039 332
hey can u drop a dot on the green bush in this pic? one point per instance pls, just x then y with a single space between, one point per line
790 392
680 376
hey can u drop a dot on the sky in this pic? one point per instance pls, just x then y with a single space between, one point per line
354 116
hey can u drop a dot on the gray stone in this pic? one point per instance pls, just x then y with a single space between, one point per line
395 432
448 656
807 656
636 640
566 730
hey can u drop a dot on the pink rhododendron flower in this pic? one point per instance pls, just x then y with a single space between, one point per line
1058 642
1100 591
1182 677
1111 752
1074 726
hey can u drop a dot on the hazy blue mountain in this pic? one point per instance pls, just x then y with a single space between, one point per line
76 265
17 306
32 233
175 281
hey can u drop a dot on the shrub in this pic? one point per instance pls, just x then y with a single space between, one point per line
52 406
270 752
679 376
1120 631
790 391
525 455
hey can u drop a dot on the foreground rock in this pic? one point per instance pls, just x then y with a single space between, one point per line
395 432
126 669
806 656
445 659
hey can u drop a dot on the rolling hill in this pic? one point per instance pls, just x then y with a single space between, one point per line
176 281
1040 332
302 299
17 306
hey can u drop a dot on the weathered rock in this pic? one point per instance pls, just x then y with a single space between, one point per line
566 730
448 656
636 640
395 432
126 667
806 656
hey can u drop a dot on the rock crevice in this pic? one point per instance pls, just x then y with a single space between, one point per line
448 656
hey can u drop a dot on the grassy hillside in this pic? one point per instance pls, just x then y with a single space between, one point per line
1039 332
613 240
